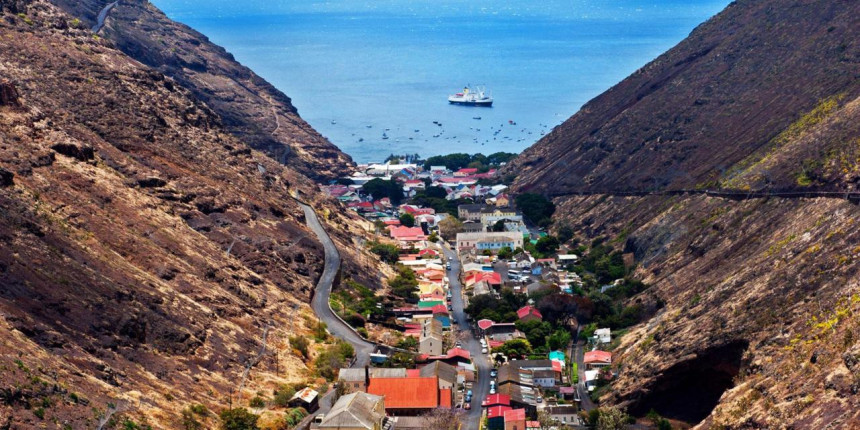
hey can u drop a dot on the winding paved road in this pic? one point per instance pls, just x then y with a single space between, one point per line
320 302
578 356
481 387
103 16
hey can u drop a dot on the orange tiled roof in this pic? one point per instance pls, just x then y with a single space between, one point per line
402 393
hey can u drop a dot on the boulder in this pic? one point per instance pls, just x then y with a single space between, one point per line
6 178
84 153
8 94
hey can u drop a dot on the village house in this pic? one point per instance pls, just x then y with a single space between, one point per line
464 172
564 414
470 212
355 411
496 417
445 373
472 227
490 215
515 419
431 341
529 313
513 375
353 379
410 396
306 398
545 378
602 336
454 357
595 359
521 397
501 200
492 278
407 235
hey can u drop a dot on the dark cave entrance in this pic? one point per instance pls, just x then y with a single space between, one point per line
689 391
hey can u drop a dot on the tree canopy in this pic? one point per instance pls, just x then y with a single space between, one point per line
537 208
407 220
381 188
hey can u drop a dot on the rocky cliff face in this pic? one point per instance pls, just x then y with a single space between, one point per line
735 91
250 108
145 248
754 302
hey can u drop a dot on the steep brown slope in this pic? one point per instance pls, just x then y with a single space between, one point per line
144 250
761 324
754 302
251 108
724 93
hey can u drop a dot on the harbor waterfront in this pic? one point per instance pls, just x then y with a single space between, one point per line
357 71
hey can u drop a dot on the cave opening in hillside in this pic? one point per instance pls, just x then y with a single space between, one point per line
690 390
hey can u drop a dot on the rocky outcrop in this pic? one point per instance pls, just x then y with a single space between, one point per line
8 94
80 153
6 178
249 106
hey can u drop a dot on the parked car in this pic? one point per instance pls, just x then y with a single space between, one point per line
448 266
540 399
467 406
468 399
483 350
494 373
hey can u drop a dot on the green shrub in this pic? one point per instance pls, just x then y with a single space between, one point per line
238 419
388 253
39 412
300 343
283 395
257 402
407 220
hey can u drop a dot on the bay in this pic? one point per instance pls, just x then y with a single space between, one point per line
359 69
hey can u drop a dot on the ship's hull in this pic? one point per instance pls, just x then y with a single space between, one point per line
485 103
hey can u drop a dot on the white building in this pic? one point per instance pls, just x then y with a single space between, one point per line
603 335
489 240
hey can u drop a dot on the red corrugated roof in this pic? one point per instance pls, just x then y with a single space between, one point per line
528 309
485 324
599 357
401 393
440 309
490 277
497 411
515 415
497 399
406 232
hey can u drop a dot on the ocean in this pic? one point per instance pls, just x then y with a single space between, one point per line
361 70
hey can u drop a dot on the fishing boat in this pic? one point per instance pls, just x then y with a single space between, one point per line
472 97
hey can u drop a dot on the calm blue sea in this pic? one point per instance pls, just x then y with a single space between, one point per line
356 68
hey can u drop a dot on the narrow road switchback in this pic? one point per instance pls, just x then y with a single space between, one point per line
320 303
